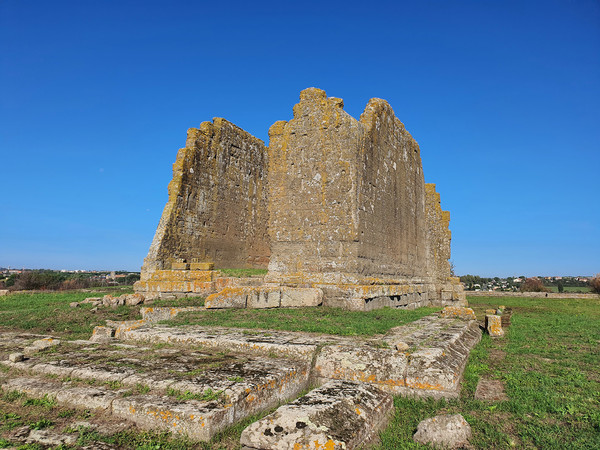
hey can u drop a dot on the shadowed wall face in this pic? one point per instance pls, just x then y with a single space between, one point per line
217 208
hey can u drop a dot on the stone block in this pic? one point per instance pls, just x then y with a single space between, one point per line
134 299
339 414
445 431
300 297
202 266
195 419
493 325
381 367
229 298
458 312
41 344
4 292
180 266
16 357
264 298
102 334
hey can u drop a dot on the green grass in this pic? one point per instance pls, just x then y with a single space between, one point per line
179 302
573 289
319 320
49 313
243 273
550 371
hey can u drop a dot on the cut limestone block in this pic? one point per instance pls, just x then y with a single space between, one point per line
299 297
382 367
196 419
339 414
493 325
424 358
458 312
446 431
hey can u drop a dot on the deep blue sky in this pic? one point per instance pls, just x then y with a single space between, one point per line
502 96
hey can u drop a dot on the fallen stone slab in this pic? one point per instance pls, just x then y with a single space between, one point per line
446 431
339 414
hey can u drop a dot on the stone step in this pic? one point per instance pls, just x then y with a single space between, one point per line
339 414
196 419
255 342
424 358
238 385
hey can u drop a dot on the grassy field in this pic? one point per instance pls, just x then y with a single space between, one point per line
316 320
574 289
549 362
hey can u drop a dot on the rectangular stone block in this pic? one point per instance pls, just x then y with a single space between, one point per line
382 367
180 266
339 414
228 298
197 420
202 266
299 297
264 298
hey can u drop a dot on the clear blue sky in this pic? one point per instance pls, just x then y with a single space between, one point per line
502 96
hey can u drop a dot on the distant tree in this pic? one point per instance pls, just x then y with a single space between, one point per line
595 284
533 285
561 287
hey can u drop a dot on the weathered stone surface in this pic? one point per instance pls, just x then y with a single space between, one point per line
459 312
299 297
425 358
447 431
4 292
51 438
16 357
493 324
102 334
134 299
40 345
345 202
339 414
217 208
256 342
264 297
382 367
198 420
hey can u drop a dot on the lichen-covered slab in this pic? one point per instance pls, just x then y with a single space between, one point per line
423 358
338 415
255 342
197 420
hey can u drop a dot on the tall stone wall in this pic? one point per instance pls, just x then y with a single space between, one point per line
313 203
217 207
346 197
439 235
337 208
391 197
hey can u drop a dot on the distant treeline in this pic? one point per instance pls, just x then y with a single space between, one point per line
54 280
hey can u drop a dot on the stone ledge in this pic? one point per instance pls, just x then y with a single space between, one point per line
339 414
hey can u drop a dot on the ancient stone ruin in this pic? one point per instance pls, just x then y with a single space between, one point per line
336 208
